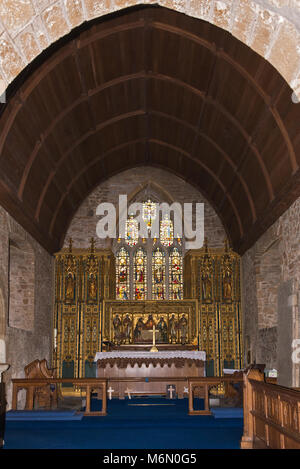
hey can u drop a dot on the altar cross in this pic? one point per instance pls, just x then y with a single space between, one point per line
109 392
128 392
171 390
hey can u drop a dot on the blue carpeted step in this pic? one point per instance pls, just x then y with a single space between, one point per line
46 415
227 413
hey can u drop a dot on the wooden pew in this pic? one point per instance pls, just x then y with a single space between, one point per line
271 414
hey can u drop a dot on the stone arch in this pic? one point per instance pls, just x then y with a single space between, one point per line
150 189
270 28
133 182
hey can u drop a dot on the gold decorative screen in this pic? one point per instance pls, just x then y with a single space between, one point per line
213 277
84 278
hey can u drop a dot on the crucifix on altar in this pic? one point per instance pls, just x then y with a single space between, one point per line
109 392
153 348
171 392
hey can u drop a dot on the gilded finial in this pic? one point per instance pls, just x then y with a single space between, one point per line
205 244
70 245
226 245
92 245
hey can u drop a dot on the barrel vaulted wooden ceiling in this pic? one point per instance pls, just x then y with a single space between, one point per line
150 87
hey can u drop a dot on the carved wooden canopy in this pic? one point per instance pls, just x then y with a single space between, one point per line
154 87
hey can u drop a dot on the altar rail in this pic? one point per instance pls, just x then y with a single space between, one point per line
31 385
206 384
271 414
91 384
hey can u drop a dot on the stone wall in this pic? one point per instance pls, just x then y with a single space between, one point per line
25 341
269 27
148 180
267 347
272 263
21 285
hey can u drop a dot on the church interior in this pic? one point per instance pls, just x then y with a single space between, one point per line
170 105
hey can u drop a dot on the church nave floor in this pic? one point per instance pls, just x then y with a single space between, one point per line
139 423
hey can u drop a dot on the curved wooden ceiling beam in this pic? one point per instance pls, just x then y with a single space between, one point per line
181 122
158 142
66 111
138 24
245 74
69 49
219 150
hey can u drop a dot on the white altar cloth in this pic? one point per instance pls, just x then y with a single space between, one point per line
196 355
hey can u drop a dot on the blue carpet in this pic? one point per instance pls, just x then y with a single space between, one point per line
43 415
129 426
227 413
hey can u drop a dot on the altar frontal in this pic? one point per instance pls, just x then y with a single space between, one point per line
123 369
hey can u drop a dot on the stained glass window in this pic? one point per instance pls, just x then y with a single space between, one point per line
131 231
158 275
122 273
175 275
140 275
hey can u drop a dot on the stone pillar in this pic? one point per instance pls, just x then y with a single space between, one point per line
285 334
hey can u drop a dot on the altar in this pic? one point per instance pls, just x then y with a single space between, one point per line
148 373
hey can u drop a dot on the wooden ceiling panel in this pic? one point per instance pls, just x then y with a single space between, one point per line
234 94
241 57
195 66
78 122
122 53
254 178
171 133
173 100
205 151
150 87
226 133
120 98
11 169
241 202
